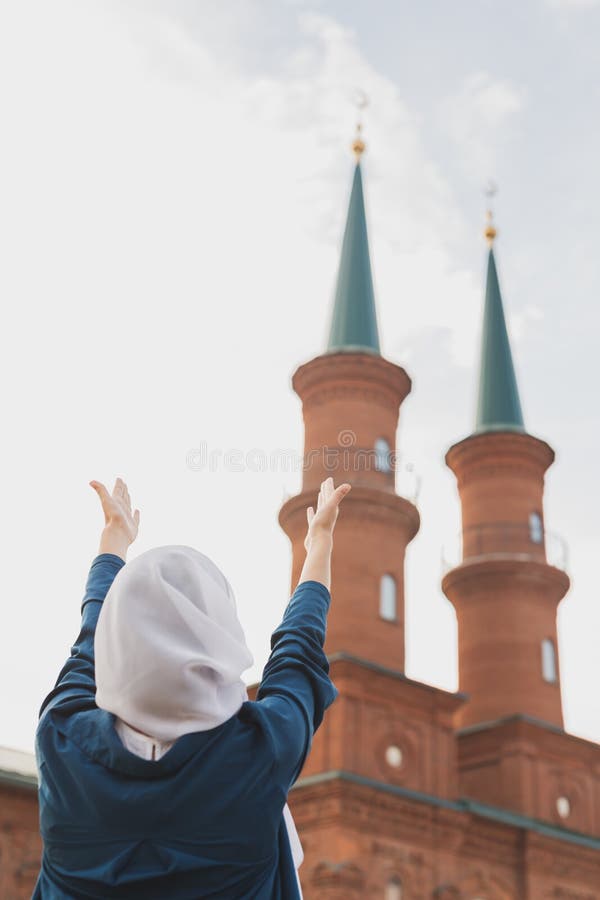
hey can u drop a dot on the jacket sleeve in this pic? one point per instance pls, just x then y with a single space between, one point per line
295 689
76 685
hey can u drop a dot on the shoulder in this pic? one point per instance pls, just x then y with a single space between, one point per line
62 734
281 719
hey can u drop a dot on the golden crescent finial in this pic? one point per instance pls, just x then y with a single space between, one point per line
490 231
358 145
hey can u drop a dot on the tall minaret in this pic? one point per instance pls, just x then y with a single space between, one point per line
350 399
504 590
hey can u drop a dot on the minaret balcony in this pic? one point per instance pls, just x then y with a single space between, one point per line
505 540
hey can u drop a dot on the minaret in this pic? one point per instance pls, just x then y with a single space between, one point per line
504 590
350 400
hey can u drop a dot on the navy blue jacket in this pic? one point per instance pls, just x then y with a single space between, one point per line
205 820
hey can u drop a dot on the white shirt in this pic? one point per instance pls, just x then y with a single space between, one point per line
141 744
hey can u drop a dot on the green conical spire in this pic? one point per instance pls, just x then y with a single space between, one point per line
498 406
354 322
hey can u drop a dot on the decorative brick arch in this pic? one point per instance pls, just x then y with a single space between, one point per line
401 872
343 879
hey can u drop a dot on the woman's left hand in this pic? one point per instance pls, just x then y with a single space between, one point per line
120 523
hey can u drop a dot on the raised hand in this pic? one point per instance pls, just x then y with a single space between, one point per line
322 522
120 523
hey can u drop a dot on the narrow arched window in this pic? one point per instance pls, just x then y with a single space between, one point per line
536 529
387 598
549 670
393 889
383 461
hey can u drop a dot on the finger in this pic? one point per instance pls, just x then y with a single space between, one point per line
310 514
126 496
320 500
136 517
118 488
328 488
101 491
339 493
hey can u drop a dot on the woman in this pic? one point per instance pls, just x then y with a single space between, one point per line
159 779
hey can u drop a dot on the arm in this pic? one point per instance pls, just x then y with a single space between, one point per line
317 565
295 689
75 687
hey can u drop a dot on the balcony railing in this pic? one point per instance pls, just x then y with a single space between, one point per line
502 540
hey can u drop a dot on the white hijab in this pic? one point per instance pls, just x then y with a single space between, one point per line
170 650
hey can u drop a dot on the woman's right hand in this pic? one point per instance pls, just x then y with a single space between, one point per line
322 522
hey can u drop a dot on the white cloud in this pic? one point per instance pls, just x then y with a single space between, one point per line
524 320
476 119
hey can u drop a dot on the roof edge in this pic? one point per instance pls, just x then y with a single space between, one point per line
461 804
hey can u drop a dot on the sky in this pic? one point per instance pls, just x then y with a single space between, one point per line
174 178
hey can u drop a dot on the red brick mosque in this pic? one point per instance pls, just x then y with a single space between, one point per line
412 792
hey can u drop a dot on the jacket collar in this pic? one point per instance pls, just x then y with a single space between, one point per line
93 731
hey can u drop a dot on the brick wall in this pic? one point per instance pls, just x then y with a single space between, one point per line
20 843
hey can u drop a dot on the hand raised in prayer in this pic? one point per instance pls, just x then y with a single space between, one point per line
322 522
120 523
